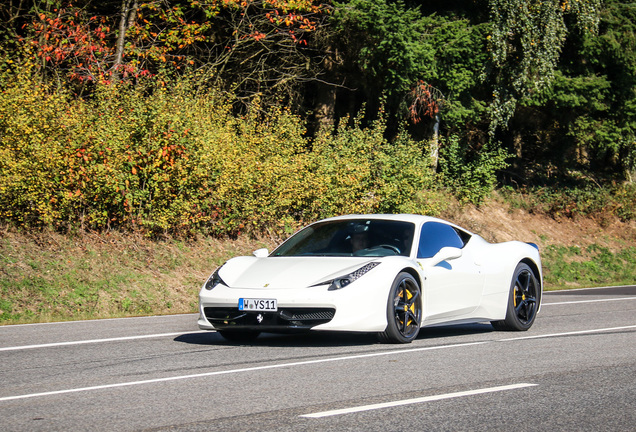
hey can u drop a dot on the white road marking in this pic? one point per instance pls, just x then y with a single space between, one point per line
588 301
570 333
96 320
416 400
90 341
234 371
588 288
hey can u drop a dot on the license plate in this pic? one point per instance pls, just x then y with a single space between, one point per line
259 305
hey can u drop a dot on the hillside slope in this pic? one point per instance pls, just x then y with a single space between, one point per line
47 276
498 222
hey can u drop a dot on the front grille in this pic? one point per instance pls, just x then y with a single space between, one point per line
307 315
283 319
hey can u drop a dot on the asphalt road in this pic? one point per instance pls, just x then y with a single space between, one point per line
575 370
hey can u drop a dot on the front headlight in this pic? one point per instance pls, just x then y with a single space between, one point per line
214 280
343 281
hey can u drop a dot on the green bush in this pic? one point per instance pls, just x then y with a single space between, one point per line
130 158
625 197
358 171
263 181
470 175
273 180
31 157
588 200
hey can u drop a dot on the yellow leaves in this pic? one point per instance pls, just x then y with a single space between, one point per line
164 161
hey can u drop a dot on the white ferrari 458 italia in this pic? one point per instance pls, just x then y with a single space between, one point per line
389 274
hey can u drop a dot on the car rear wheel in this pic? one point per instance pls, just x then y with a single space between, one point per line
239 335
523 301
404 310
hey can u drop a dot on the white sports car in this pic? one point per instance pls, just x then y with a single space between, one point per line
390 274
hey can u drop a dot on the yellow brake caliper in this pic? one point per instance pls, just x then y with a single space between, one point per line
409 296
514 295
399 296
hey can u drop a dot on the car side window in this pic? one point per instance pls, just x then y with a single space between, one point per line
434 236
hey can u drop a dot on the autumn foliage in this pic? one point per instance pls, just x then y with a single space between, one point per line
82 41
424 101
158 161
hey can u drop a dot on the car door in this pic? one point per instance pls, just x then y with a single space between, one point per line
453 287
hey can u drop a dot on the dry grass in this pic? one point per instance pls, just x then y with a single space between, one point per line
576 252
47 276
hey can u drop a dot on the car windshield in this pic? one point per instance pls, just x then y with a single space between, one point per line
351 237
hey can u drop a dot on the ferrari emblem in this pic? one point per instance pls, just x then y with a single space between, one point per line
259 318
266 285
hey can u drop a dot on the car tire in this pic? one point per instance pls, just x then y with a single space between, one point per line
523 301
403 310
239 335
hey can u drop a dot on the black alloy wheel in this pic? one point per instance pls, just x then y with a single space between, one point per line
523 301
404 310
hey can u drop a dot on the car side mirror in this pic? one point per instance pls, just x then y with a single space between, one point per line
445 254
261 253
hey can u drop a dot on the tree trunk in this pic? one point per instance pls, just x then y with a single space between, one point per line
325 104
435 144
326 97
126 20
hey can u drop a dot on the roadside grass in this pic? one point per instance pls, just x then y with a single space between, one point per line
50 277
593 265
47 276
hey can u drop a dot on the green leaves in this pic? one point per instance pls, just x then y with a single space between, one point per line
525 44
387 42
471 175
590 107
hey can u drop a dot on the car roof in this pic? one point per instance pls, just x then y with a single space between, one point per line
413 218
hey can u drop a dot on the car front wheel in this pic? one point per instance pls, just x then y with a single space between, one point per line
404 310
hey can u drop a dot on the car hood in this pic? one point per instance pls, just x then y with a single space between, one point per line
287 272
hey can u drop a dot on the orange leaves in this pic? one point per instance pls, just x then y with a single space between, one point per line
302 15
70 42
81 46
82 154
425 101
257 36
170 153
162 35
